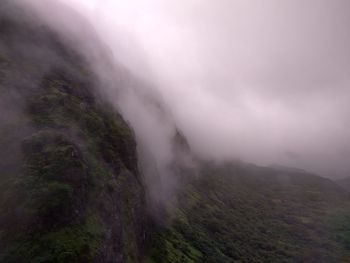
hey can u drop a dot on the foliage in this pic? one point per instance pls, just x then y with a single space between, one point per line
243 213
69 185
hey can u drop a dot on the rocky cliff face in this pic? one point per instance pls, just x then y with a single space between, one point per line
70 189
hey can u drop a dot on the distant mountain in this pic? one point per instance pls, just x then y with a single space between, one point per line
245 213
344 183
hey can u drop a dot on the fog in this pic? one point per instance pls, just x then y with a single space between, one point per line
266 82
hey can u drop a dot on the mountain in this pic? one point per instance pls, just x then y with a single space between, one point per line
344 183
71 189
235 212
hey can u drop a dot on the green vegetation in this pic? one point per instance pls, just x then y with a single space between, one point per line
70 190
340 223
69 184
78 157
72 243
243 213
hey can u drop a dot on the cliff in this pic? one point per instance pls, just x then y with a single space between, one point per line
70 189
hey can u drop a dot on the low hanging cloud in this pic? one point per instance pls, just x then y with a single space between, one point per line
266 82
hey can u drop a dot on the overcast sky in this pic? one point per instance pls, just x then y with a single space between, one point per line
264 81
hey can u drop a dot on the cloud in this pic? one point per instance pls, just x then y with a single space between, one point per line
266 82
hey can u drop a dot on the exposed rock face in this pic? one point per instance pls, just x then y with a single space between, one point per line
70 190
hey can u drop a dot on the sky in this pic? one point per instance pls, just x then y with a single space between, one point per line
266 82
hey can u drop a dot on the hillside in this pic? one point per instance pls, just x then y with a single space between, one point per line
344 183
245 213
71 190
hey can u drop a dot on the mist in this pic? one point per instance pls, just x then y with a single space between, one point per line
266 83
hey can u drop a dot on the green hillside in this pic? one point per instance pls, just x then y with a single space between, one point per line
70 189
245 213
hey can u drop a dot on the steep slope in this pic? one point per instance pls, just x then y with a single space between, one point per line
235 212
344 183
70 190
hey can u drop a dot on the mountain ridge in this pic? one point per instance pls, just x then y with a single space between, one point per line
72 190
344 183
